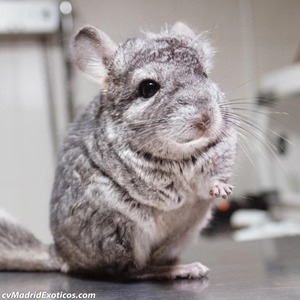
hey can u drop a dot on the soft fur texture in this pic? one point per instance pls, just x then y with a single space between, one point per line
20 250
136 177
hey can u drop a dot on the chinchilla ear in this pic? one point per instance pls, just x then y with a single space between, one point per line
200 42
92 51
182 29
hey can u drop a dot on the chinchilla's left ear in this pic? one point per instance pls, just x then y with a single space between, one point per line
180 28
199 42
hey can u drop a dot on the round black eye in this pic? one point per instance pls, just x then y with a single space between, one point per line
148 88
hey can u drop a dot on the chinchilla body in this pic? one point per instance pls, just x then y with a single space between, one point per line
139 168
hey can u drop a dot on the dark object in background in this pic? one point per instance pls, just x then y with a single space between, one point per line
224 210
282 146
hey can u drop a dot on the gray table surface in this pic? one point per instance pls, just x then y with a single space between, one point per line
267 269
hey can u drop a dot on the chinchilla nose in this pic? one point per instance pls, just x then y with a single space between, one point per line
203 122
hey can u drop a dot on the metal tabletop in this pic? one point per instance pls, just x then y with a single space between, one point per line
266 269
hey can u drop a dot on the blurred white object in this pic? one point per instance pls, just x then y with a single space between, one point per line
268 230
281 91
248 217
65 7
259 225
29 17
283 83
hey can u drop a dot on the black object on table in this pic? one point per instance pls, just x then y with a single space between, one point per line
266 269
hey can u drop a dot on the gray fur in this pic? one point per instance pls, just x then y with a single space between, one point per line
136 177
21 250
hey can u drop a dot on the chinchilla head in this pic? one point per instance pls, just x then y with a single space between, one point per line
155 91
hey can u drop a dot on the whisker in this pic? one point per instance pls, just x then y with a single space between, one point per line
240 85
244 149
248 120
261 112
254 98
265 142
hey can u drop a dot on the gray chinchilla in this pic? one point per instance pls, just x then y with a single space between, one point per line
139 168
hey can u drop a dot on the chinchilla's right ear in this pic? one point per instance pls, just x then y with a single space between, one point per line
92 51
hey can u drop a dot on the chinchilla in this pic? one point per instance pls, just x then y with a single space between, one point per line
138 170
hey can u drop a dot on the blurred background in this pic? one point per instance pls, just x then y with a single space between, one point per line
256 64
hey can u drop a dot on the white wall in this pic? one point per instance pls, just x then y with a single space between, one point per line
247 48
27 158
